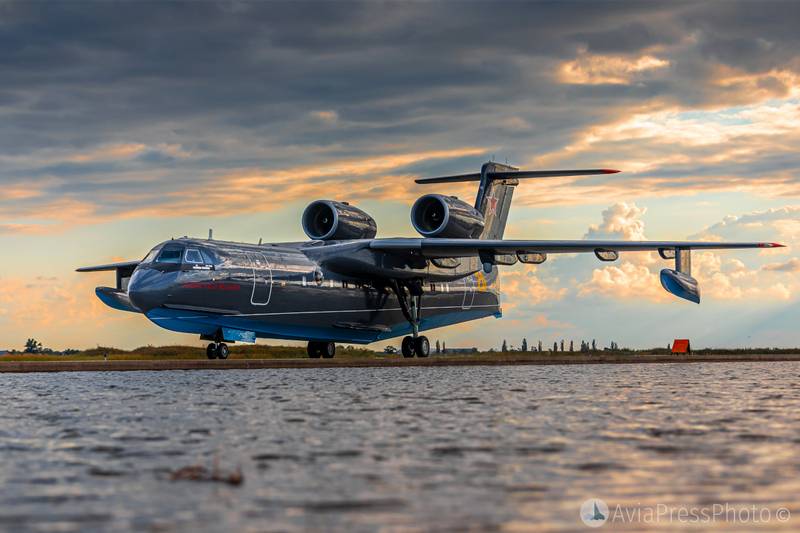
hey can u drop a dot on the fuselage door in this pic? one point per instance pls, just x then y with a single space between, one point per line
262 279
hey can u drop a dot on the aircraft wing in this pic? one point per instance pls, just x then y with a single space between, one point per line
124 265
433 248
115 297
677 281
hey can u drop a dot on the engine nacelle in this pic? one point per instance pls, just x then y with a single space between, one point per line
436 215
326 220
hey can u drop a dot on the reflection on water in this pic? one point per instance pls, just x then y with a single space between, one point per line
354 449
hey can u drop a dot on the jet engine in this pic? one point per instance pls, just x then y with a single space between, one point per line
326 220
436 215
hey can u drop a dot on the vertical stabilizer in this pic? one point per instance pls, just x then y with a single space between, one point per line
494 199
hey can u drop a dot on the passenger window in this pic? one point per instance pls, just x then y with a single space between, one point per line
193 256
170 255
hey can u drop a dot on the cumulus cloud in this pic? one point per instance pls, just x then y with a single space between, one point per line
792 265
523 286
620 221
627 281
773 223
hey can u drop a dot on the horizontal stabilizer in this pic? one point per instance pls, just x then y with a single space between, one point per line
516 174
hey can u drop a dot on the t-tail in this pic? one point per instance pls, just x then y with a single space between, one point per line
497 182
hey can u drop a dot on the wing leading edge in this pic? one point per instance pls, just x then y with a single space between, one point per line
442 248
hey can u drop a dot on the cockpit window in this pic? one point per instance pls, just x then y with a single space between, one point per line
149 258
193 256
170 255
209 257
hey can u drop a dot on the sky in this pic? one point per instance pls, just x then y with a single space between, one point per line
124 124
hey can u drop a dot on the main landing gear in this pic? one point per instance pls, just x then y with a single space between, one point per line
217 350
420 346
317 349
409 294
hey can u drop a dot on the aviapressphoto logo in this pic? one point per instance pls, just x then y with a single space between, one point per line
595 512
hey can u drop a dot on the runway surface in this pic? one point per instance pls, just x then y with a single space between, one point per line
481 360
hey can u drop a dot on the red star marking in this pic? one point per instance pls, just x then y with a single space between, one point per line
491 205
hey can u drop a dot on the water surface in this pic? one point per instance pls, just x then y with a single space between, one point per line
360 449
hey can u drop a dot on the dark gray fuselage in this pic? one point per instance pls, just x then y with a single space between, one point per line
317 290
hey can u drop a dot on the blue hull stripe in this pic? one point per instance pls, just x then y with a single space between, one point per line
198 323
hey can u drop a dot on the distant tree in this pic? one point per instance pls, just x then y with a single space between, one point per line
555 346
390 350
524 344
505 346
444 348
438 347
33 346
562 345
571 347
540 345
594 345
70 351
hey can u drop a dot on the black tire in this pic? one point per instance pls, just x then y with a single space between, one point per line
328 349
313 350
211 351
422 346
222 351
407 347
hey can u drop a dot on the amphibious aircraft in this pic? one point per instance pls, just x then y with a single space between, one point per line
346 285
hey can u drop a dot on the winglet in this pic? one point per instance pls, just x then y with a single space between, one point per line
611 171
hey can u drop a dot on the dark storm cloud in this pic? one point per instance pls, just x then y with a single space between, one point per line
271 85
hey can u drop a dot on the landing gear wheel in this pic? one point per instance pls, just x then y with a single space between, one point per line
328 349
313 350
407 347
422 346
211 351
222 351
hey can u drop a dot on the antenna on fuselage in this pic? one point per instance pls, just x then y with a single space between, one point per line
259 241
210 234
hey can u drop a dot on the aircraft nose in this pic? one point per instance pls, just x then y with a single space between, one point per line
145 289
